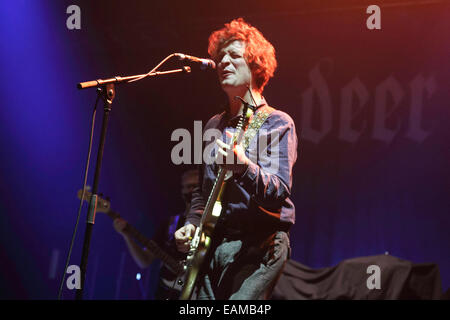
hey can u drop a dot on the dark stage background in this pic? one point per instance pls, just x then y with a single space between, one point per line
371 109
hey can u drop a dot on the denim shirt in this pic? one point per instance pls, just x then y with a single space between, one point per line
260 197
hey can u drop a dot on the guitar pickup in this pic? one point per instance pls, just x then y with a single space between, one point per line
217 209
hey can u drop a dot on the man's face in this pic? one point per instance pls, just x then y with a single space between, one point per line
233 70
187 186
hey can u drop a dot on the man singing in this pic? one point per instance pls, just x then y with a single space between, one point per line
251 240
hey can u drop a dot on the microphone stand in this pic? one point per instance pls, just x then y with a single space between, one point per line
107 92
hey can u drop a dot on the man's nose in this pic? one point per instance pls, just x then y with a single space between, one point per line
225 60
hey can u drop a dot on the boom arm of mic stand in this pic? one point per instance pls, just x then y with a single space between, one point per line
119 79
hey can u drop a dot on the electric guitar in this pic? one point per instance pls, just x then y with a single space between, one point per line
201 240
170 262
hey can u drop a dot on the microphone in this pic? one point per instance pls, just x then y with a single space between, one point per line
206 63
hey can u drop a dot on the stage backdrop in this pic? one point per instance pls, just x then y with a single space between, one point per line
371 109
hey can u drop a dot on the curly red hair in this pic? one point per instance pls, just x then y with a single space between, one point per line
259 53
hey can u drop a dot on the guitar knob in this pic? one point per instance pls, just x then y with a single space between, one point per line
180 282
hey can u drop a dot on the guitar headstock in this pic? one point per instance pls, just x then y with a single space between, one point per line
102 204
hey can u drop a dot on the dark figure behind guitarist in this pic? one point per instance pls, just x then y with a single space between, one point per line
250 244
164 237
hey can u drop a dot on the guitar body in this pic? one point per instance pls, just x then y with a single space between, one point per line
198 259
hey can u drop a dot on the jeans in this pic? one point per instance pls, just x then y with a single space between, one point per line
244 269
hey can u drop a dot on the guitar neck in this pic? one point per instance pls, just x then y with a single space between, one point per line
209 217
151 245
215 195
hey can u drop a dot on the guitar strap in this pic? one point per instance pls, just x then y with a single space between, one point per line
255 123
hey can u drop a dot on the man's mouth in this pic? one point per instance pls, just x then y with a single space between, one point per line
225 73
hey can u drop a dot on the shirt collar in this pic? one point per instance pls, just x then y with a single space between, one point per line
234 121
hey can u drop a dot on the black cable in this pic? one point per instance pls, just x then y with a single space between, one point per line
82 194
155 68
